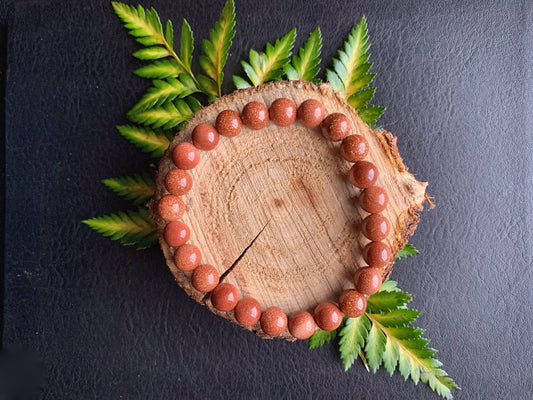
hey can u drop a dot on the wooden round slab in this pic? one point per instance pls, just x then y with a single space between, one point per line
273 209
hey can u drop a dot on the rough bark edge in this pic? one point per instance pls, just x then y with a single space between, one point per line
408 220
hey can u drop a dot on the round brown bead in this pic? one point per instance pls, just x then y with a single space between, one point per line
363 174
247 311
185 155
282 112
373 199
273 321
205 136
178 182
335 127
354 148
225 297
328 316
352 303
302 325
255 115
170 207
311 113
176 233
375 227
368 280
228 123
205 278
187 257
376 254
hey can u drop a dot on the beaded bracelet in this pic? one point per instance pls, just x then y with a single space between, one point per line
363 175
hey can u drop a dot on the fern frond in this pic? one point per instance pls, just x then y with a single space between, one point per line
304 66
146 139
320 338
151 53
168 115
353 335
138 188
143 24
407 251
161 92
216 50
186 44
160 70
350 74
130 227
267 66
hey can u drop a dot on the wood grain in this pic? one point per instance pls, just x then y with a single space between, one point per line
273 209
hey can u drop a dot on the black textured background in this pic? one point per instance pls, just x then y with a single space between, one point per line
108 322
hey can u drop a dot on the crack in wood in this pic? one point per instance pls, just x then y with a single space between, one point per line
223 276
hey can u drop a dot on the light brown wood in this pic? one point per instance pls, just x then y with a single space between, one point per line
273 209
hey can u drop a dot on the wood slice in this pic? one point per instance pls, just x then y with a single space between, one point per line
273 209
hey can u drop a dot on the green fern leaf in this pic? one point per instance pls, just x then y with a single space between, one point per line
186 45
353 336
304 66
407 251
138 188
370 114
404 347
387 300
391 356
168 115
268 66
350 66
143 24
361 98
375 347
216 50
161 92
320 338
160 69
146 139
151 53
194 104
350 74
131 227
169 34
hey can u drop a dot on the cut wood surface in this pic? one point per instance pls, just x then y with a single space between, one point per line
273 209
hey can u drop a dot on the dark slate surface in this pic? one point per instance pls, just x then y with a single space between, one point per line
109 322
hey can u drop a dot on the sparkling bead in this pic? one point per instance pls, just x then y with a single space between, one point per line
205 278
354 148
224 297
352 303
176 233
311 113
368 280
255 115
302 325
335 127
205 136
187 257
248 311
363 174
228 123
375 227
373 199
282 112
178 182
170 207
273 321
376 254
185 155
328 316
